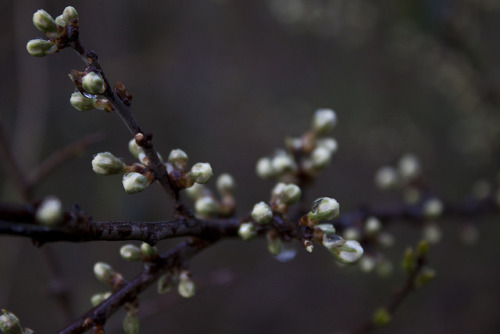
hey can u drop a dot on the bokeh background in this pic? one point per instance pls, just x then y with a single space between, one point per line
227 81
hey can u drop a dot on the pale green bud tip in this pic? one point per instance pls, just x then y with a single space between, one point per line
130 252
99 298
186 287
93 83
40 47
103 272
262 213
264 168
69 14
44 22
409 167
381 317
10 324
201 172
134 182
324 120
131 324
350 252
81 102
49 213
372 225
225 183
386 177
105 163
247 231
206 205
178 158
148 251
433 208
324 208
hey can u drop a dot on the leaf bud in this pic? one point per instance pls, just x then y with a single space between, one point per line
425 275
264 168
262 213
381 317
225 184
134 148
409 167
372 225
130 252
104 272
422 248
40 47
93 83
247 231
49 212
44 22
70 14
99 298
148 252
106 163
321 156
324 208
134 182
433 208
408 263
350 252
186 287
178 158
131 323
201 172
10 324
386 177
206 205
323 121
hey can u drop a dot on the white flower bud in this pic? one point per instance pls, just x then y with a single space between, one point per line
49 212
103 272
148 251
134 182
225 184
201 172
99 298
350 252
409 167
324 208
186 287
40 47
328 143
326 228
81 102
321 156
10 324
106 163
134 148
386 177
331 241
433 208
323 121
264 168
197 191
262 213
282 162
60 21
130 252
69 14
247 231
178 158
288 193
372 225
131 323
93 83
44 22
206 205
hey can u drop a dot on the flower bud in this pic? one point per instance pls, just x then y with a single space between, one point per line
350 252
201 172
332 241
134 148
165 284
44 22
282 162
264 168
381 317
40 47
178 158
105 163
323 121
103 272
186 287
134 182
81 102
130 252
291 193
326 228
131 323
225 184
274 244
247 231
324 208
10 324
206 205
70 14
197 191
386 177
433 208
93 83
49 212
60 21
262 213
99 298
148 251
329 143
372 226
321 156
409 167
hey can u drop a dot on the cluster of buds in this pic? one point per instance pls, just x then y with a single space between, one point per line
185 285
145 253
304 156
90 85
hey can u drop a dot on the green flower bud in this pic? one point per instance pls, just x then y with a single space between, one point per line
44 22
323 121
104 272
134 182
99 298
409 167
10 324
60 21
186 287
165 284
49 212
386 177
178 158
201 172
324 208
321 156
148 251
105 163
372 226
225 184
70 14
81 102
206 205
326 228
381 317
134 149
247 231
265 169
131 324
40 47
350 252
262 213
433 208
93 83
130 252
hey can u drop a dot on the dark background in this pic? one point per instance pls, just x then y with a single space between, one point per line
226 81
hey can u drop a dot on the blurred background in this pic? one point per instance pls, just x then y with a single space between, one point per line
227 81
